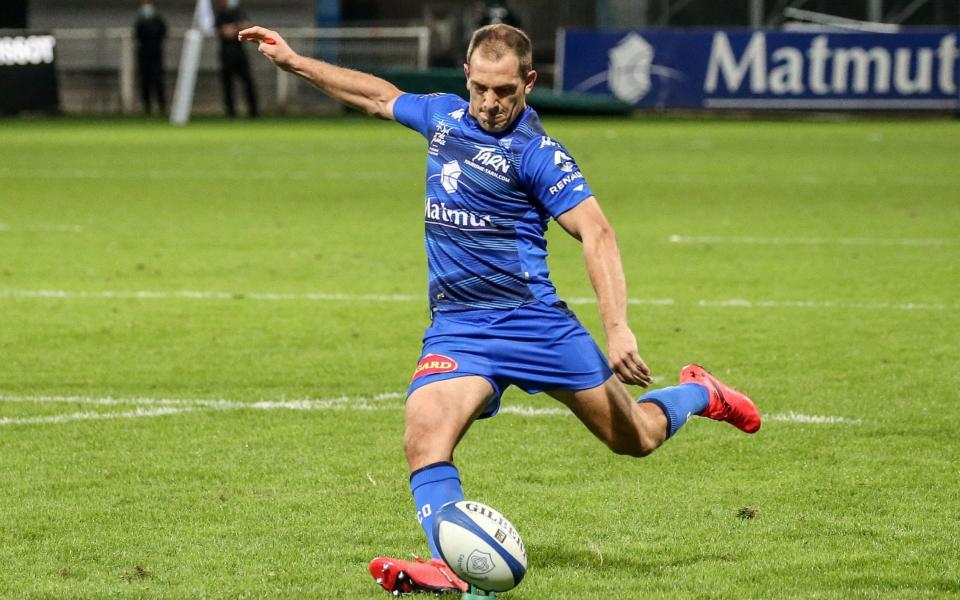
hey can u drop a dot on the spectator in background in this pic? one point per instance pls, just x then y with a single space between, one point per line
233 58
482 13
497 12
151 30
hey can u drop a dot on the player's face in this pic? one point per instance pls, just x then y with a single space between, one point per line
498 94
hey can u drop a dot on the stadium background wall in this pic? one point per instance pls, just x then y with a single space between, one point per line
91 73
13 14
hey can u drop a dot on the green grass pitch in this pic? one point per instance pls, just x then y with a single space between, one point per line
205 334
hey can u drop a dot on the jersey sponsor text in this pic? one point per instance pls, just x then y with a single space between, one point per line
432 364
567 180
488 160
437 212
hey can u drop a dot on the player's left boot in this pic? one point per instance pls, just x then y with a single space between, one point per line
403 576
726 403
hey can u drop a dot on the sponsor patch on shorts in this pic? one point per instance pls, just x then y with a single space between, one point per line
435 363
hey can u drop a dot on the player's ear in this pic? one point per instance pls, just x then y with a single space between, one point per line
530 81
466 74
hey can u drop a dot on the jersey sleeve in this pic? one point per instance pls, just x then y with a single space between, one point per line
552 176
416 110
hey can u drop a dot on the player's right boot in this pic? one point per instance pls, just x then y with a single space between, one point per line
726 403
400 576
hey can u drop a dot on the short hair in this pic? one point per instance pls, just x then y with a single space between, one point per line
494 41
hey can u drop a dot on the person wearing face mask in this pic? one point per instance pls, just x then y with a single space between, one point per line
230 19
150 32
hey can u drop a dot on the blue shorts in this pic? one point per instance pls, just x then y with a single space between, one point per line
535 347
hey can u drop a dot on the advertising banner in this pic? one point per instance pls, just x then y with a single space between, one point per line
28 76
747 69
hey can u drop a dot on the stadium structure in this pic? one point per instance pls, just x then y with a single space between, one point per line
419 45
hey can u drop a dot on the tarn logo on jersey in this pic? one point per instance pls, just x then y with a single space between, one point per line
567 180
562 160
458 218
488 160
547 141
488 157
457 114
432 364
450 176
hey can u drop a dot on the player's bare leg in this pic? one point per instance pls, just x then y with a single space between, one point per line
437 417
639 427
612 414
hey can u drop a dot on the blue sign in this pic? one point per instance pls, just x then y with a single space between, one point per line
763 69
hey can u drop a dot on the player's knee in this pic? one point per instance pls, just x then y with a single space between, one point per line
421 447
414 443
636 447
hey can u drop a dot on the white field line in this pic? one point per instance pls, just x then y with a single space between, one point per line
806 241
341 297
157 407
740 303
370 175
198 295
94 416
315 296
531 411
216 404
792 417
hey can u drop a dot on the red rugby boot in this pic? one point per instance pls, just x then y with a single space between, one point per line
726 403
403 576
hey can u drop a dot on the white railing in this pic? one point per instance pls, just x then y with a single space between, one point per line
103 40
420 34
824 20
111 51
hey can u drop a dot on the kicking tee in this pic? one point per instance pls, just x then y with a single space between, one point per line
489 197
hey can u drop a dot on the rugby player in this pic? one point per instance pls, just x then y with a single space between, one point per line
494 180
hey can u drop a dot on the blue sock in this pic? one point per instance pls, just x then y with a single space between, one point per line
433 486
678 403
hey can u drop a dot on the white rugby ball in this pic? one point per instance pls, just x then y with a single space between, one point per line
480 545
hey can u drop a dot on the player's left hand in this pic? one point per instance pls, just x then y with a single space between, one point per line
625 358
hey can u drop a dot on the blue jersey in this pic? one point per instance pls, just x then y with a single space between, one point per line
488 200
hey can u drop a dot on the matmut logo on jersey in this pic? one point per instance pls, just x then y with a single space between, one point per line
437 212
489 160
431 364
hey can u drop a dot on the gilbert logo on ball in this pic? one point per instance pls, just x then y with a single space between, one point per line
480 545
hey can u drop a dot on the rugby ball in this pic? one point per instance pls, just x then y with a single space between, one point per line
480 545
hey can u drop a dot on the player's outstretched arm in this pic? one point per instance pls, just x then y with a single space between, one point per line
587 223
362 91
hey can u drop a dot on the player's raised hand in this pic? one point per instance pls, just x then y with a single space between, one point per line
270 44
625 358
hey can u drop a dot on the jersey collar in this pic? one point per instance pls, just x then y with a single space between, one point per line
472 122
